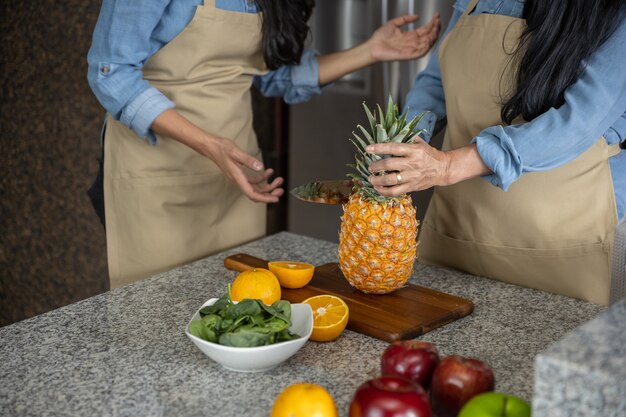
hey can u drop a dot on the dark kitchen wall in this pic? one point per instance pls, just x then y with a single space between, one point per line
52 247
52 250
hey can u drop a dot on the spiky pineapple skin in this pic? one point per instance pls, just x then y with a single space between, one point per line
378 243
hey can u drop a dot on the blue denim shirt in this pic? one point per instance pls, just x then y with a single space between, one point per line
595 105
129 32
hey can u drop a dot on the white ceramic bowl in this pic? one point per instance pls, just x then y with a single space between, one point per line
261 358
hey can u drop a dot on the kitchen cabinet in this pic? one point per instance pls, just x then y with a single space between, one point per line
125 353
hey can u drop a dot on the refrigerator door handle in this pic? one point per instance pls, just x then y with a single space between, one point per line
392 71
384 14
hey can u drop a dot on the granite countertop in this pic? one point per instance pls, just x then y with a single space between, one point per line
584 373
125 353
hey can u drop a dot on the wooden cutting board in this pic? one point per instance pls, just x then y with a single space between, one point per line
404 314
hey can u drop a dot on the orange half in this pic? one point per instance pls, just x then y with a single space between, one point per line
292 274
330 317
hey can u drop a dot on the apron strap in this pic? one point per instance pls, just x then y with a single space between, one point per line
472 6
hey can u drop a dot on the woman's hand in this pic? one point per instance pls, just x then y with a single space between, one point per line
388 43
391 43
226 155
231 160
418 166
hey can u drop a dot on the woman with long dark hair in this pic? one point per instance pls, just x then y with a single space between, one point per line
531 181
177 74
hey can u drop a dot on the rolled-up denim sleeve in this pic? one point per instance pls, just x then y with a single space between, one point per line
594 106
120 47
295 83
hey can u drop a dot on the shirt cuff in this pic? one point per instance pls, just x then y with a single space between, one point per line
497 151
307 72
617 132
140 113
304 78
426 125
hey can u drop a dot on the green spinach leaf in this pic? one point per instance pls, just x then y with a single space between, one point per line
245 324
244 339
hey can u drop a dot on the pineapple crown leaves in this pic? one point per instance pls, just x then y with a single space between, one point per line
391 126
307 191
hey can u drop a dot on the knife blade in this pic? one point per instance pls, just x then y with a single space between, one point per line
324 192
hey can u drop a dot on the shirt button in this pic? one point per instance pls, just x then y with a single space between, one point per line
105 70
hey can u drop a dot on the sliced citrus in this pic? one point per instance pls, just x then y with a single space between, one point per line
304 400
292 274
330 317
257 284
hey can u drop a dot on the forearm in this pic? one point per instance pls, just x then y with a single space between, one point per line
172 124
224 153
336 65
593 104
464 163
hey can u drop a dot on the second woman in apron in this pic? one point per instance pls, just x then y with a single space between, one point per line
540 117
178 73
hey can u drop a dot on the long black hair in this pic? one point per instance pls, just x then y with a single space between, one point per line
559 37
285 30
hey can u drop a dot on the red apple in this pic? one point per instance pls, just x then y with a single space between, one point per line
390 396
411 359
455 381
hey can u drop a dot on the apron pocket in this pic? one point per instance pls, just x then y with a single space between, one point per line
581 271
171 221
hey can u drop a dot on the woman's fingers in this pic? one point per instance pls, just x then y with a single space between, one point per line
243 183
395 190
390 164
246 160
386 180
231 160
397 183
255 188
260 184
261 178
268 188
390 42
278 192
429 33
432 26
396 149
408 167
403 20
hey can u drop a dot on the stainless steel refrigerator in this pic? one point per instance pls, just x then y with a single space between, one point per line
319 129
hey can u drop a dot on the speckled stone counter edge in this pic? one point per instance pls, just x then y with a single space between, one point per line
584 373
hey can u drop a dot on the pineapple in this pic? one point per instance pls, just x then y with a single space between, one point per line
378 235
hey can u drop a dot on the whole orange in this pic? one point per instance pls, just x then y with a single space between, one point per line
257 284
304 400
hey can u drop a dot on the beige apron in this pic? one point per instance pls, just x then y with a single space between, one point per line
166 205
551 230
